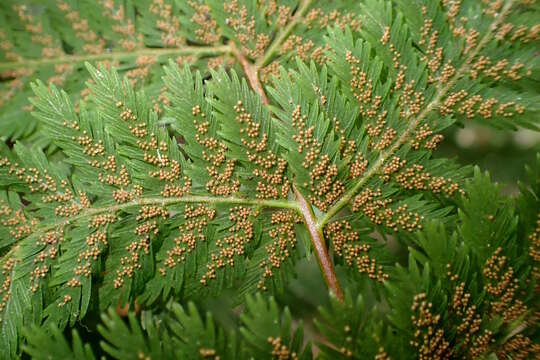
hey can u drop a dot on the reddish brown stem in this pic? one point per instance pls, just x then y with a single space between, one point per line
317 239
252 73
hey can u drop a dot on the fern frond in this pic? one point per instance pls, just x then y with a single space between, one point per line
446 279
182 333
491 55
41 345
468 298
51 41
200 182
351 330
131 173
403 107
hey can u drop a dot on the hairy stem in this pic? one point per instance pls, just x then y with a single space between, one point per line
317 239
121 55
284 33
415 122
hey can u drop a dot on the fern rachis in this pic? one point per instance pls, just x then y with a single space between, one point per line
218 182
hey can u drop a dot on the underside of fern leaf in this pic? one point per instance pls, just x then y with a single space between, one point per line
193 179
51 40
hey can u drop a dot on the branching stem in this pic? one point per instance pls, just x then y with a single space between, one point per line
319 246
120 55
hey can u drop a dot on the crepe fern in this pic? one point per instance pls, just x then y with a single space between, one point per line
51 40
203 182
